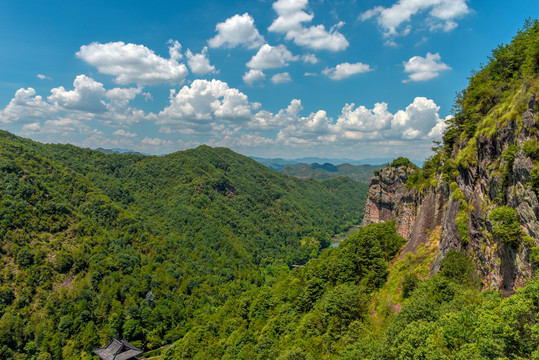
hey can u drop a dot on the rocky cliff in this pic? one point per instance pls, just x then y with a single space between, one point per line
469 200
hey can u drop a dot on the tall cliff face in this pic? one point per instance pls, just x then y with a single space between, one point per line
489 171
478 191
388 198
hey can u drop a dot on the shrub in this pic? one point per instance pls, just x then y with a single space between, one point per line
458 267
531 148
402 161
462 227
505 225
509 155
409 283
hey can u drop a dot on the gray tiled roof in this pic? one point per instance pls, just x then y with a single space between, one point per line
118 350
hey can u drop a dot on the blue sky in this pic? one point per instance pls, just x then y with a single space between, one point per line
286 78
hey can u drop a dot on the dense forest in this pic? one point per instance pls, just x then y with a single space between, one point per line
139 247
354 303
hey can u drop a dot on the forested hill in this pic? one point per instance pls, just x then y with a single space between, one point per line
133 246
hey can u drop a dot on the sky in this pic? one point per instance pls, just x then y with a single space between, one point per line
286 78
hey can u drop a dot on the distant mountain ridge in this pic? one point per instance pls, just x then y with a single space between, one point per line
119 151
328 171
279 163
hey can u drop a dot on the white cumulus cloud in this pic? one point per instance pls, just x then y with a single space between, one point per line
420 119
31 127
345 70
235 31
310 59
199 63
132 63
67 109
156 142
252 76
26 107
424 68
313 129
281 78
86 96
68 127
271 57
124 133
265 120
441 14
194 108
291 19
363 119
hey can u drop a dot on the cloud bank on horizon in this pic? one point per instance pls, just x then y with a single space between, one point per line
202 107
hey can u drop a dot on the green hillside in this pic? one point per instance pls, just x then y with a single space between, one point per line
353 303
96 245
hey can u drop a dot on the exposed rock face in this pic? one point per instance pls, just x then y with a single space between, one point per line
470 198
389 199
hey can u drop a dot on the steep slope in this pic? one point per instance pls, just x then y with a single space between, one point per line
480 187
96 245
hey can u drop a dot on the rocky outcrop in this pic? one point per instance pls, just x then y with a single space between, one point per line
497 172
389 199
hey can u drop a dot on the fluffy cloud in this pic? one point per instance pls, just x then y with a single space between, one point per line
199 63
363 119
424 68
265 120
309 59
26 107
252 76
123 133
87 101
156 141
86 96
271 57
442 14
212 112
281 78
420 119
67 127
345 70
235 31
291 16
66 109
119 113
194 108
32 127
313 129
120 97
131 63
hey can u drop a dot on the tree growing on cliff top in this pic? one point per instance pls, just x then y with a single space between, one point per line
402 161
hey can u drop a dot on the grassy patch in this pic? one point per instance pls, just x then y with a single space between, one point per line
390 298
